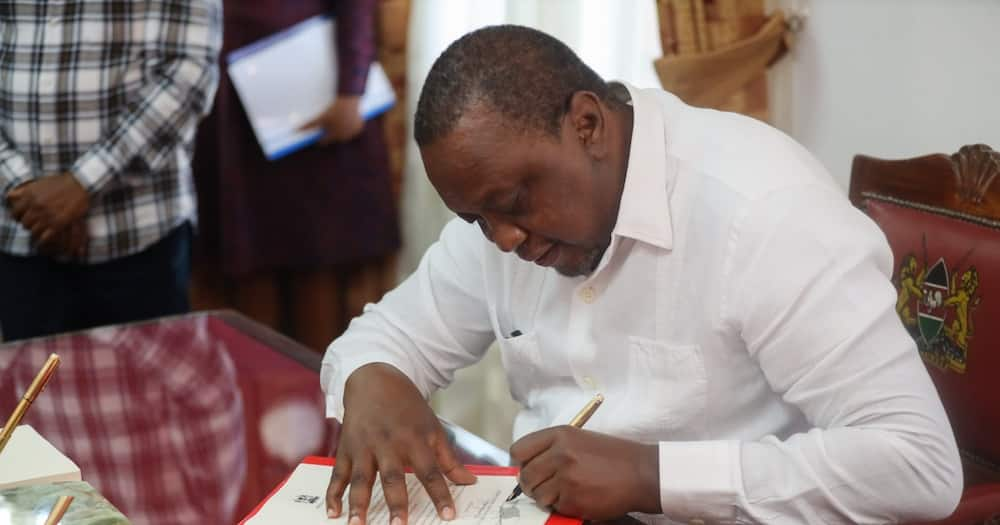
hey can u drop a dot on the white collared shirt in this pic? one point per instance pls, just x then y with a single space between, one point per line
743 318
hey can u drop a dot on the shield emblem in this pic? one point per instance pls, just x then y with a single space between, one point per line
930 308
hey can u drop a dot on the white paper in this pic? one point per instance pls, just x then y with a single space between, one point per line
302 500
289 78
29 459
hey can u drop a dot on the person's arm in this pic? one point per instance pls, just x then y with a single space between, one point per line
184 38
378 375
14 169
810 295
356 46
432 324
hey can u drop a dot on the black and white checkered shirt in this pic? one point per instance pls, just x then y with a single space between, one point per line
111 91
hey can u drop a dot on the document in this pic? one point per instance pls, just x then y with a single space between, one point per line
302 500
289 78
30 459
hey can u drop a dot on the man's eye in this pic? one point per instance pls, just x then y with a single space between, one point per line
514 206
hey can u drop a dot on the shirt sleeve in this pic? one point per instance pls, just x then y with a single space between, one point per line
184 38
356 46
812 299
431 325
14 169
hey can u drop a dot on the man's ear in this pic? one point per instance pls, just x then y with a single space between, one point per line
587 122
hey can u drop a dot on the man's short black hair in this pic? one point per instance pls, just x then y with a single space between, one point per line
525 75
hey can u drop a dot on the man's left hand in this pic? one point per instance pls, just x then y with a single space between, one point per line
588 475
48 205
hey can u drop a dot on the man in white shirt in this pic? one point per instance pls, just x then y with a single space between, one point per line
698 268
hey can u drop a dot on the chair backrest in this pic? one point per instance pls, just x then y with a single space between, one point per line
941 216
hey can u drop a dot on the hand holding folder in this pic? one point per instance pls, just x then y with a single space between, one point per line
288 79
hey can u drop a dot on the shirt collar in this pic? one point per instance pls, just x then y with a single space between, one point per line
644 212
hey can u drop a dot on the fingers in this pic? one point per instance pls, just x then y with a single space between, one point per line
538 473
317 122
429 474
394 488
16 193
328 138
451 467
335 490
34 223
546 494
79 238
531 445
54 246
19 206
49 234
360 494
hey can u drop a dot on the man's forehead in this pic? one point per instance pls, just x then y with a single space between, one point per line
462 180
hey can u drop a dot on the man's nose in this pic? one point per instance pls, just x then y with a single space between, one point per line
506 236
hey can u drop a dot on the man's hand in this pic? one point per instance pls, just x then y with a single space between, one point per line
588 475
70 242
47 206
340 122
387 428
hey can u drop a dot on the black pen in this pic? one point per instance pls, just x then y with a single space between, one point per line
578 422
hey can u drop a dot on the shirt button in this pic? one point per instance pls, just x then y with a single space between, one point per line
47 139
53 20
588 295
589 381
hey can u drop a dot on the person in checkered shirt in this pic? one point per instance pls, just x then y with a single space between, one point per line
99 101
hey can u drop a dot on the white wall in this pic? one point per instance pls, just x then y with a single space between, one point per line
890 78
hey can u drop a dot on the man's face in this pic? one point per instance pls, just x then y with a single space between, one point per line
546 198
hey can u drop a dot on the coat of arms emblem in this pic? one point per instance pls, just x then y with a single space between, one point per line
936 306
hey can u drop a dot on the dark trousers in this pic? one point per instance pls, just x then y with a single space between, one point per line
40 296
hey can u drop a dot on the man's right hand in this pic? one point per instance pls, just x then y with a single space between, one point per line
388 427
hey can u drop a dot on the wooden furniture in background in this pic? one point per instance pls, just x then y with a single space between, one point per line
941 215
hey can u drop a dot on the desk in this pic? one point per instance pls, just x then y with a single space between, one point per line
188 419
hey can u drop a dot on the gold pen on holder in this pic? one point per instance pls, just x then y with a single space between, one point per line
58 510
578 421
36 387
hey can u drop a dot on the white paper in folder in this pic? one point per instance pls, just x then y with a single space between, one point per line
301 500
288 78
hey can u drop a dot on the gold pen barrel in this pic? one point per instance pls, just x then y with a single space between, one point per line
36 387
38 384
12 422
59 509
587 411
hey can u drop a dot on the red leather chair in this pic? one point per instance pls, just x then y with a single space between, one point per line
941 215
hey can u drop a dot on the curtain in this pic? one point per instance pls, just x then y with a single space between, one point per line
618 39
716 52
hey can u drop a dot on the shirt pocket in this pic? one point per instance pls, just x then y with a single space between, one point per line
667 390
521 360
